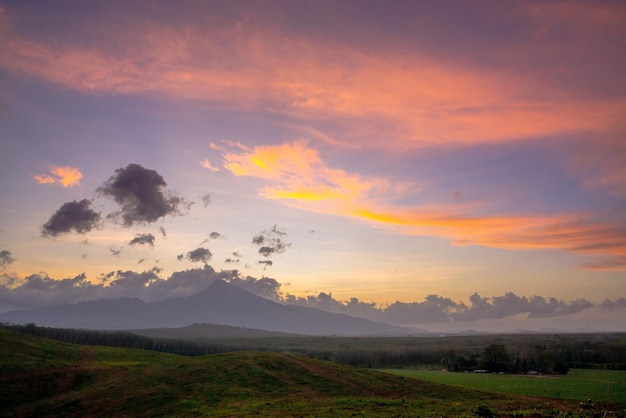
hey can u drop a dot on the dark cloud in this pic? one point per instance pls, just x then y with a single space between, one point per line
437 309
115 252
131 281
609 305
550 307
271 242
142 239
39 290
189 282
236 258
141 261
268 263
265 286
199 254
267 251
180 257
212 236
326 302
163 231
433 309
206 199
140 193
76 216
5 258
510 304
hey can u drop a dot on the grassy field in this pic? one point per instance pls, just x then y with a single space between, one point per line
41 377
598 385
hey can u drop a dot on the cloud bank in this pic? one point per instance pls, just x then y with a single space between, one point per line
437 309
371 92
39 290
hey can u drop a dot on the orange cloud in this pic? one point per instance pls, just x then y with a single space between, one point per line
65 176
299 177
44 179
297 173
207 164
407 98
574 233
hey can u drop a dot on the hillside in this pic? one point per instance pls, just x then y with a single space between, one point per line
41 377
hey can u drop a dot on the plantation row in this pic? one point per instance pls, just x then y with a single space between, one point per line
541 353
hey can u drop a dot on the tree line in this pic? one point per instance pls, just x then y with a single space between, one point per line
124 339
541 353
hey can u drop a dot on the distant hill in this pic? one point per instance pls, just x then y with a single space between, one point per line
41 377
204 332
221 303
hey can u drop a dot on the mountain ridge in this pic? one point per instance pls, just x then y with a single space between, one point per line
221 303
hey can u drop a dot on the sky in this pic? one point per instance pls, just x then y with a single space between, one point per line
456 161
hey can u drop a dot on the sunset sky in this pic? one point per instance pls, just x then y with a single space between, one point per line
383 151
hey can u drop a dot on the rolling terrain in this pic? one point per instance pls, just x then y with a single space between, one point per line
41 377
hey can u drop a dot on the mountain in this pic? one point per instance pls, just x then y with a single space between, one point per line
221 303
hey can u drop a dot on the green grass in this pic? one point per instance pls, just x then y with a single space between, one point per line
47 378
579 384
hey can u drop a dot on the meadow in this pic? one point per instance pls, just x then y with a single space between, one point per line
579 384
42 377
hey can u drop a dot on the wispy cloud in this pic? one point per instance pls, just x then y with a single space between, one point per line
298 176
65 176
270 242
408 95
297 172
602 164
207 164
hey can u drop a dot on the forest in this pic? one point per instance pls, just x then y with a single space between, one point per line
505 353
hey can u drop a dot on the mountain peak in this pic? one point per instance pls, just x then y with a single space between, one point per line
221 303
